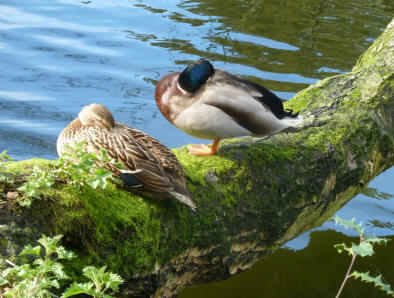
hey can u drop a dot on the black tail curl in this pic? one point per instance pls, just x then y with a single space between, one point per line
289 113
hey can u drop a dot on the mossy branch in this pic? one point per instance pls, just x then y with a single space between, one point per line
254 195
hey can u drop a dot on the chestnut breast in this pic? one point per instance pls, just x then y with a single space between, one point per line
166 88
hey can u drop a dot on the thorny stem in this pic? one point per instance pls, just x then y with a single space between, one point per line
348 270
346 276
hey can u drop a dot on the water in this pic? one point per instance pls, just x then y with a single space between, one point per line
59 55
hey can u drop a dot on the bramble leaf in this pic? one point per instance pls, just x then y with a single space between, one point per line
100 277
76 289
340 247
349 224
114 281
363 249
29 250
374 239
3 281
50 243
64 254
377 281
57 270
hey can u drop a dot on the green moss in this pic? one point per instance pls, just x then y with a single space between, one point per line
355 94
301 100
22 165
377 50
197 167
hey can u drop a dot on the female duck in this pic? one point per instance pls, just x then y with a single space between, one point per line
147 162
211 103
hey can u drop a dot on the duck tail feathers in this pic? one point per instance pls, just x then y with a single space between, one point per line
184 199
292 119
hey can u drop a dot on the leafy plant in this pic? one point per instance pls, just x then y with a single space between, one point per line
80 167
42 276
101 281
4 177
37 181
76 166
363 249
4 157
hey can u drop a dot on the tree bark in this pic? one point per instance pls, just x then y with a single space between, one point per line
252 197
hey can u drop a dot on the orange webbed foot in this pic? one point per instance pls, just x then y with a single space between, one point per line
203 149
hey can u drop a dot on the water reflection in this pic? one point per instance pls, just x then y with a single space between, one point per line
70 53
375 193
315 271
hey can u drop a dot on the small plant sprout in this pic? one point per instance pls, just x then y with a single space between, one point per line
100 283
363 249
4 177
37 181
4 157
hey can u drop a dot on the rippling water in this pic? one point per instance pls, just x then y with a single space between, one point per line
56 56
59 55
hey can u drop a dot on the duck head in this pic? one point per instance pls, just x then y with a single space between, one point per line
177 89
195 75
96 115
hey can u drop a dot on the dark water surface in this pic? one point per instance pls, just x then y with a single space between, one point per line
314 272
59 55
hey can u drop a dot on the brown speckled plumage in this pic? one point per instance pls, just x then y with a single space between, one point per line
160 172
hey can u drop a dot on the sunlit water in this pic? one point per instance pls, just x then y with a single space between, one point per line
57 56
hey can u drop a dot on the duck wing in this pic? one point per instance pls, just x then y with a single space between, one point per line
139 162
252 90
167 159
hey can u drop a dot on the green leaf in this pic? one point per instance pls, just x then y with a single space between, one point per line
46 282
64 254
377 281
76 289
99 276
341 247
23 270
374 239
93 273
8 271
3 281
4 156
363 249
349 224
50 243
114 281
57 270
94 183
29 250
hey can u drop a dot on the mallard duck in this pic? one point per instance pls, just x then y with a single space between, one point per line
147 162
210 103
